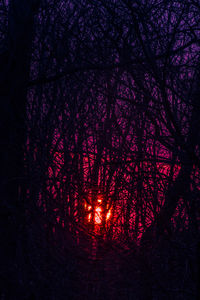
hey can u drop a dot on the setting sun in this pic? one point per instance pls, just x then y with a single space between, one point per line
98 213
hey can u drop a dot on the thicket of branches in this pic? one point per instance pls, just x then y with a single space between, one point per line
100 99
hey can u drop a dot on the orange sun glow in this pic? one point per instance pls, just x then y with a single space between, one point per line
98 215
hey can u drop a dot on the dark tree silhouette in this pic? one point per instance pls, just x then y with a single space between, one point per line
99 149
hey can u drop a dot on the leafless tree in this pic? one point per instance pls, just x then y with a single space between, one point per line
100 148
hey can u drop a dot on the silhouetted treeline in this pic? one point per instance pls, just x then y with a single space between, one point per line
100 157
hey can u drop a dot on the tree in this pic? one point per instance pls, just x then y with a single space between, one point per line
106 118
15 62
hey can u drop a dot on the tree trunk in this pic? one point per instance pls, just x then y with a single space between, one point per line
14 76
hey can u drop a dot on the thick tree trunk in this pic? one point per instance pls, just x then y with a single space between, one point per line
13 96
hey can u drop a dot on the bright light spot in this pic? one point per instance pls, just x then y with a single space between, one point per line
108 215
89 217
98 215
